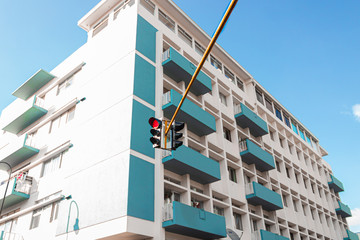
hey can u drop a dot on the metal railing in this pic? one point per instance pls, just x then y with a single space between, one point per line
167 212
166 55
166 98
24 186
249 188
237 108
11 236
242 146
40 102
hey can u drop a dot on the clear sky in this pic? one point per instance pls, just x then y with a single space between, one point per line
305 53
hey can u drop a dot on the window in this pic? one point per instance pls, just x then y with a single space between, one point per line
67 83
254 227
122 4
285 200
259 96
312 214
184 36
238 221
278 166
294 128
229 75
305 183
304 210
52 164
166 20
292 236
148 5
218 210
290 149
281 142
268 104
216 63
302 134
308 140
227 134
287 121
287 172
297 178
222 98
247 179
267 227
272 135
295 205
232 174
44 211
100 26
199 49
278 113
62 120
240 84
312 188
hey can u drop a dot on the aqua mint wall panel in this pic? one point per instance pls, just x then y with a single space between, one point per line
146 38
141 189
144 80
140 129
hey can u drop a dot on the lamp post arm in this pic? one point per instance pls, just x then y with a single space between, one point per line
77 208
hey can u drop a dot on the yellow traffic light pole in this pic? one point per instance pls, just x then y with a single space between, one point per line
206 54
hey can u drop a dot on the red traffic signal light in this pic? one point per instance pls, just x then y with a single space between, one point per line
155 123
156 131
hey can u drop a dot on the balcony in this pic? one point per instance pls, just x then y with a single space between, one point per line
257 194
266 235
10 236
193 222
18 151
197 120
246 118
18 191
351 235
180 69
23 114
342 209
253 154
336 184
33 84
188 161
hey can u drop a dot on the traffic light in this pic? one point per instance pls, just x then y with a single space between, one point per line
157 132
175 135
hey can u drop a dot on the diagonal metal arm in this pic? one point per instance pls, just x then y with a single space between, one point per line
206 54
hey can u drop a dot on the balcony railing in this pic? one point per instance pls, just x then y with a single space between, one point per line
257 194
167 212
10 236
246 118
251 153
18 191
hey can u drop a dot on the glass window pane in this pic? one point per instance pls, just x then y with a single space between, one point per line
278 114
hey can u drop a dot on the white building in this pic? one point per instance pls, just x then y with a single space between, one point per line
247 163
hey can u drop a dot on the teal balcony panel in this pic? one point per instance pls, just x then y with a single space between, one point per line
343 210
351 235
33 84
266 235
18 151
193 222
248 119
197 120
188 161
30 114
253 154
10 236
180 69
257 194
17 192
336 184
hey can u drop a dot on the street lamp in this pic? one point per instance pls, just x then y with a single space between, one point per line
76 225
7 185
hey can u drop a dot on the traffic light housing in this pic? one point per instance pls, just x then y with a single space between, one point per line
176 135
157 132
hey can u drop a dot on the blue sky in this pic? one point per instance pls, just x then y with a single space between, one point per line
305 53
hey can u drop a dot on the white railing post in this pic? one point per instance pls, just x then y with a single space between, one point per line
167 212
166 98
243 146
166 55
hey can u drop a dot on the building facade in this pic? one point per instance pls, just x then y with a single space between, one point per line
77 139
